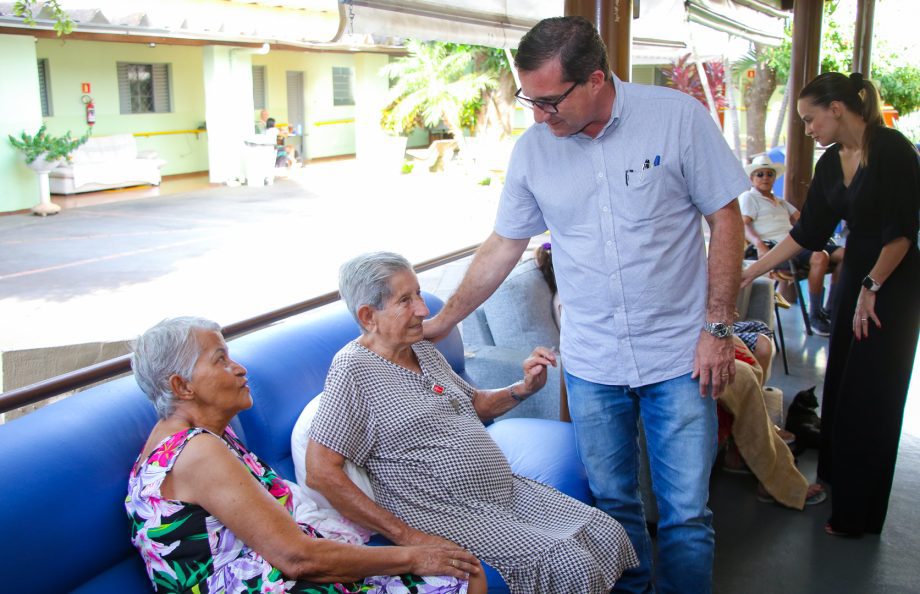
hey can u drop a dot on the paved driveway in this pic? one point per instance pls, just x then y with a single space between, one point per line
106 272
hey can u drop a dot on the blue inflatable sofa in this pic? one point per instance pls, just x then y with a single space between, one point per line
64 468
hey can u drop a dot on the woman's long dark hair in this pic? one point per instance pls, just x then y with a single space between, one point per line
857 94
544 257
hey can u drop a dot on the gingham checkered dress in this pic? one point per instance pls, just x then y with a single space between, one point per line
433 464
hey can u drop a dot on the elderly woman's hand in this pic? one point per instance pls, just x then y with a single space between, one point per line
452 561
535 369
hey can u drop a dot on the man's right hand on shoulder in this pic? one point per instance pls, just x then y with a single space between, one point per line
436 328
493 261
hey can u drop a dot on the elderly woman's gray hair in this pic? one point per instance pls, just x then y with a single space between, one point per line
365 280
167 349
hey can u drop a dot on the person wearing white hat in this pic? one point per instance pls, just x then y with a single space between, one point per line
768 220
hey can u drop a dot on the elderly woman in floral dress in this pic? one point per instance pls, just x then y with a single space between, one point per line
393 405
207 515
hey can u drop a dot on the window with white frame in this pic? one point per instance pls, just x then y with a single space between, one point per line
258 87
44 87
143 88
343 82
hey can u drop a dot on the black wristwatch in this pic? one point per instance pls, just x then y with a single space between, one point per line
719 329
870 284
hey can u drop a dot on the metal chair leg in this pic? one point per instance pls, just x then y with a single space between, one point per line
782 340
797 281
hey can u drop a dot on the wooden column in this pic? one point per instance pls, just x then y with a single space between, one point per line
862 38
613 19
806 47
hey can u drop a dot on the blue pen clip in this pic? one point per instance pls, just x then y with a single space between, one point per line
657 160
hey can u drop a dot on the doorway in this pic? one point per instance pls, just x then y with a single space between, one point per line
296 114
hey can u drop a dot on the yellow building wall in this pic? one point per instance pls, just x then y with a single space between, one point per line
71 63
330 129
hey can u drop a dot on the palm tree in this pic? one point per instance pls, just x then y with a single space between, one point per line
757 92
435 83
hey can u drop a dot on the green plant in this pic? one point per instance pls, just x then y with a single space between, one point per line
435 83
52 147
26 9
900 87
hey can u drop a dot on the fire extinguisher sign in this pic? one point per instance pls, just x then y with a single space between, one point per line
84 88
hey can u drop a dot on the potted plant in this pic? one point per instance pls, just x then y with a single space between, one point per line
43 152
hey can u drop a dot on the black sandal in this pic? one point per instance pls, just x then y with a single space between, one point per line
830 530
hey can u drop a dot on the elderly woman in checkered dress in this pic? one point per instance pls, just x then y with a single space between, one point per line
393 405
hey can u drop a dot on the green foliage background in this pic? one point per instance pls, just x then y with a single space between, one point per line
899 84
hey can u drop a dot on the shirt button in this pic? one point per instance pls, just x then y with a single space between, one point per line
609 243
605 209
600 176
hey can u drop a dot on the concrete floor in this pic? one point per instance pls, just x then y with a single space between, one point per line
100 274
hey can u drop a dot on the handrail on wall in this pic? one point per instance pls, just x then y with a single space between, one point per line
196 132
105 370
324 123
334 122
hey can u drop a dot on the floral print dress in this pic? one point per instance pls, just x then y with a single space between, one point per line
185 549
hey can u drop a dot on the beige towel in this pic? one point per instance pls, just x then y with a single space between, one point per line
765 453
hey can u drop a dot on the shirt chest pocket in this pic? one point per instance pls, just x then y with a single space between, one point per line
642 194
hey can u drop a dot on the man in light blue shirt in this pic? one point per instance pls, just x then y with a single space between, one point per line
620 174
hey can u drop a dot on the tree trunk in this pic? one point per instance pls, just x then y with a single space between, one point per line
494 119
781 120
504 102
730 89
756 96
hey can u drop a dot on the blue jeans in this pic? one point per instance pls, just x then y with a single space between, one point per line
681 434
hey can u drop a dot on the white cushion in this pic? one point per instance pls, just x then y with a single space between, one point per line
299 439
106 149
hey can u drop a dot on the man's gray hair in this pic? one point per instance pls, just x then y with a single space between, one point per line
167 349
365 280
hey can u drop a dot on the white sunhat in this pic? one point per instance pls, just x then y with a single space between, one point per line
764 162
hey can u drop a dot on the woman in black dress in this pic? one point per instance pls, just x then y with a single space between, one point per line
871 178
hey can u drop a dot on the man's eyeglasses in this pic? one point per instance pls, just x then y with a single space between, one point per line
768 173
549 106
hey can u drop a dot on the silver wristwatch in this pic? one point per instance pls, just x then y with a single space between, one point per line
871 284
719 329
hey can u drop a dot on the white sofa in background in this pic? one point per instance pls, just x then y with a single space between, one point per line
106 162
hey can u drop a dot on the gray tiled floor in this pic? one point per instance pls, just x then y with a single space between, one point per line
105 272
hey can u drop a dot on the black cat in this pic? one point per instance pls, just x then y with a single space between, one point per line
803 420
